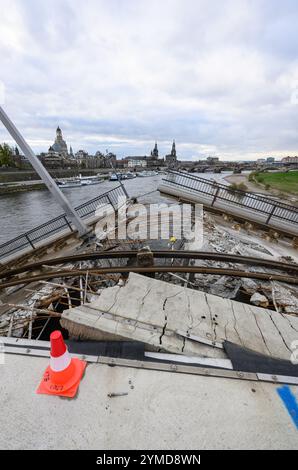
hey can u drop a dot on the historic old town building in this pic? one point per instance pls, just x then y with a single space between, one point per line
145 161
60 145
58 156
171 158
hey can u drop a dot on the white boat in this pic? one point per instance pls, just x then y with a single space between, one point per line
147 173
122 176
80 181
69 184
90 183
130 175
89 180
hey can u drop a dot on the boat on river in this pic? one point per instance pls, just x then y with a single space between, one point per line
147 173
69 184
90 180
130 175
80 181
114 177
122 176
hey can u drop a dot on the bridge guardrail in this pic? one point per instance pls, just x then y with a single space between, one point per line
238 197
53 226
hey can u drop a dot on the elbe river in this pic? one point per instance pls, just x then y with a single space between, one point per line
20 212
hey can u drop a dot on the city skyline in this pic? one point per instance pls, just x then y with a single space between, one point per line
220 78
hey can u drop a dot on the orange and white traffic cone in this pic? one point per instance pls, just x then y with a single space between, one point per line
63 375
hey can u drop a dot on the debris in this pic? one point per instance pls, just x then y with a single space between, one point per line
273 234
225 287
121 394
121 282
285 298
249 226
260 300
249 285
145 257
38 310
4 324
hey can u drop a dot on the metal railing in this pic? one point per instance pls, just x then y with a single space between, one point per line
221 192
62 222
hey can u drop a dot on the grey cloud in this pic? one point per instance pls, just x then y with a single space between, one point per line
215 75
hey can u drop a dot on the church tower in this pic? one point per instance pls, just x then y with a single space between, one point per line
60 145
171 158
154 152
173 151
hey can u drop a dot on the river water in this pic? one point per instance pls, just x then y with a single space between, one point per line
20 212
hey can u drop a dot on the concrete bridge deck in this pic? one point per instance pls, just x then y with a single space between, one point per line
161 410
250 206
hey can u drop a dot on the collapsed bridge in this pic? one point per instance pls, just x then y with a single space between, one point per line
219 197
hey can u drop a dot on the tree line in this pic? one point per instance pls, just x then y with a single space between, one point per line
6 155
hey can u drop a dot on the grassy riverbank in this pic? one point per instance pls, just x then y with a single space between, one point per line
285 182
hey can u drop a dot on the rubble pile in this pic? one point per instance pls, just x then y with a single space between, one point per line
54 297
222 240
15 321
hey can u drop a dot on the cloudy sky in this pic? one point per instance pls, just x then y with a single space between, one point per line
219 76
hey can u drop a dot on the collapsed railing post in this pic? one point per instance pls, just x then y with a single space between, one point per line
70 227
215 195
110 201
270 215
30 242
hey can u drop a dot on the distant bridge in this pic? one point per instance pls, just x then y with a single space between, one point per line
229 166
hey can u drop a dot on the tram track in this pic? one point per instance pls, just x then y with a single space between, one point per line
129 254
152 269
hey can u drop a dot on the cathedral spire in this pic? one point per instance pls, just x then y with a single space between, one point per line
154 152
173 152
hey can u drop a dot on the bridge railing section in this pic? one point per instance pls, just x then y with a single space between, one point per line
60 223
221 192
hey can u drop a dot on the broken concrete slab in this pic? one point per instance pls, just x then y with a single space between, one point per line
86 322
153 311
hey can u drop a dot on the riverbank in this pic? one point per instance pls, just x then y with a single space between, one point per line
256 187
22 187
20 176
282 181
243 179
